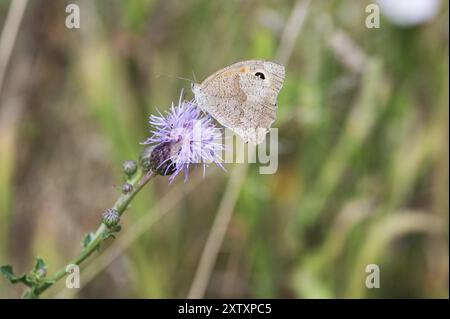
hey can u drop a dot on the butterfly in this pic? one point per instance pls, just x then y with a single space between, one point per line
242 97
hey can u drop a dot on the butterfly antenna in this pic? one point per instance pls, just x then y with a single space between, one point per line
185 79
173 77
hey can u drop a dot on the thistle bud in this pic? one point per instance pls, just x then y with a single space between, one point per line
126 188
42 272
129 167
110 217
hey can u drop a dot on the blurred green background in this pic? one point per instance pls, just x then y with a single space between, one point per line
363 174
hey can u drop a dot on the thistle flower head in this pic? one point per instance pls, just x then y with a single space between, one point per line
181 138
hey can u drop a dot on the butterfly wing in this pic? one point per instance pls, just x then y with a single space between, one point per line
243 97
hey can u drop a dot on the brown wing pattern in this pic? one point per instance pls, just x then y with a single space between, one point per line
243 97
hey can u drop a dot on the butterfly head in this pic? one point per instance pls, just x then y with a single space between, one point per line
195 87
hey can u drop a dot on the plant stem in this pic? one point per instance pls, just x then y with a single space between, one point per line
138 181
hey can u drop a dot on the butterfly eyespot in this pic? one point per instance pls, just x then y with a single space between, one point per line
260 75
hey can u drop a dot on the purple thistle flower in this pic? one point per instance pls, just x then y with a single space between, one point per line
182 137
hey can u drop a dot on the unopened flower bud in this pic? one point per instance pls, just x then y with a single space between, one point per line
110 217
126 188
42 272
129 167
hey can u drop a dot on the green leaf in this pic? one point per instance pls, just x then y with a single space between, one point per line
87 239
8 273
111 231
116 229
40 269
39 264
107 235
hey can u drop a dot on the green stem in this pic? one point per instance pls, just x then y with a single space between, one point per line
138 182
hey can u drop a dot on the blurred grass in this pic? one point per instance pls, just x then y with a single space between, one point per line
363 163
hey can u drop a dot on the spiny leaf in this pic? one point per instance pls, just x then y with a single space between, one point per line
8 273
